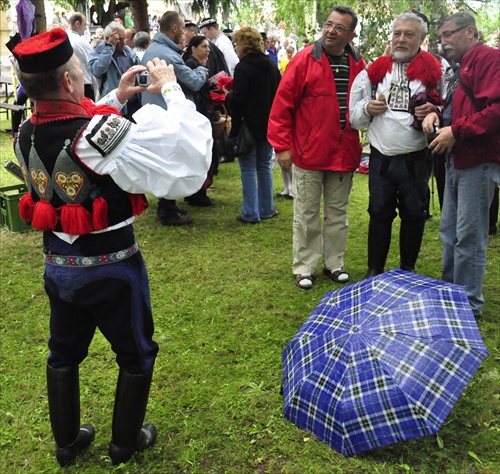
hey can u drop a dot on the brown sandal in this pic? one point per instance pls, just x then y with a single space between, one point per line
305 281
338 276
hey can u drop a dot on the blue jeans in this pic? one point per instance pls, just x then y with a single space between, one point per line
257 183
464 226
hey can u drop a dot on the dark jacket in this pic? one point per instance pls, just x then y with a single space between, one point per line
256 79
216 61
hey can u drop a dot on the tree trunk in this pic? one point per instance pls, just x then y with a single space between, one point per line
41 20
139 9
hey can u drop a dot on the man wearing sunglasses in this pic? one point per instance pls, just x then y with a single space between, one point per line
470 135
390 98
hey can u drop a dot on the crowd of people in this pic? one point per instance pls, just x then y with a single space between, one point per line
153 134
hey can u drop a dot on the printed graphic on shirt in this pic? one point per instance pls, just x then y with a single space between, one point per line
107 135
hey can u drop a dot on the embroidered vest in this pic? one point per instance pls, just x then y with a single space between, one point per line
63 194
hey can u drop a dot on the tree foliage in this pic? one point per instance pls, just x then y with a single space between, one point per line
376 16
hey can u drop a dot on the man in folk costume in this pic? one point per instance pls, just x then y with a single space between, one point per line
87 169
391 98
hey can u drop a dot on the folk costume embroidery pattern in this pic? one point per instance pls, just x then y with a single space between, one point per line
108 133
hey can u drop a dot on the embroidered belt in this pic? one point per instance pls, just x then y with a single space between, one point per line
79 261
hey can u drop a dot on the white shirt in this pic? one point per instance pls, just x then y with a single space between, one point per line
227 48
82 50
390 133
167 153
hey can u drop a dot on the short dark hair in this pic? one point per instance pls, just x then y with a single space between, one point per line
343 10
76 17
462 20
168 20
195 42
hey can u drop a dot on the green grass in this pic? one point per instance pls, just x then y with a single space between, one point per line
225 306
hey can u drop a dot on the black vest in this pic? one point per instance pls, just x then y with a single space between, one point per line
55 174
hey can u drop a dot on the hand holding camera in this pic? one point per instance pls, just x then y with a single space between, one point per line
139 78
160 74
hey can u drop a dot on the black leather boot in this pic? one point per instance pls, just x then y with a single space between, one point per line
410 241
129 436
379 242
64 407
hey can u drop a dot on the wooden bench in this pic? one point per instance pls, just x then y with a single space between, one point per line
5 82
13 107
6 108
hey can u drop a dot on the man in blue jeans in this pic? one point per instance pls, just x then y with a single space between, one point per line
471 138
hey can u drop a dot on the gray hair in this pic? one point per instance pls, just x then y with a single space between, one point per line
142 39
462 20
114 25
409 16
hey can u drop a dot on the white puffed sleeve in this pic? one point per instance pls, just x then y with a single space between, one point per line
167 153
361 92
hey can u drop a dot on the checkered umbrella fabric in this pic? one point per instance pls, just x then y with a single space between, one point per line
381 361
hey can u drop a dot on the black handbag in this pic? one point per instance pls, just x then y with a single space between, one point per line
239 145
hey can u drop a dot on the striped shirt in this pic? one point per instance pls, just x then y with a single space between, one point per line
340 70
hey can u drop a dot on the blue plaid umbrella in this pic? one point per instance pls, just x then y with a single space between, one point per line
381 361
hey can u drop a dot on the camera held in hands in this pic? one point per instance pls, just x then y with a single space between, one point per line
434 134
143 79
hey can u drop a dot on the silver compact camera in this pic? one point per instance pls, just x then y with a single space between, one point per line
143 79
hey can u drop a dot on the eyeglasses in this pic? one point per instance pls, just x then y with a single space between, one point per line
328 25
448 33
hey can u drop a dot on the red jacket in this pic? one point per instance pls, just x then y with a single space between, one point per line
476 124
305 115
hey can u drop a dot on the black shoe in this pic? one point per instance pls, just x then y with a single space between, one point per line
181 211
63 389
129 434
200 201
275 213
176 220
240 219
373 272
67 455
492 230
225 159
122 454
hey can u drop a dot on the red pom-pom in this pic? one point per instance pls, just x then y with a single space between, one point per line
44 216
139 204
426 68
379 68
26 207
100 214
75 219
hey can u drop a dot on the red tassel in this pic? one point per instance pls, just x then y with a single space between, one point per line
379 68
75 219
100 214
138 202
44 216
26 207
426 68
